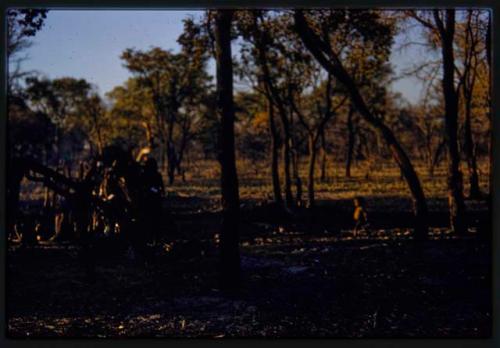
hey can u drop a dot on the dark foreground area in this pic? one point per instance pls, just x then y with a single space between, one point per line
303 276
295 284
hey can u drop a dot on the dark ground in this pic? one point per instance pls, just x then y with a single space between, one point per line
309 278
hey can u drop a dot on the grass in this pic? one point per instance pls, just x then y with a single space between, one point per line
304 277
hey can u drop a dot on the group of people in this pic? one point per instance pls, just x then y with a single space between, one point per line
129 196
119 196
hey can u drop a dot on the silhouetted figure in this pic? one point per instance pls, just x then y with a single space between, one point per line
154 191
26 230
123 195
360 215
61 218
16 171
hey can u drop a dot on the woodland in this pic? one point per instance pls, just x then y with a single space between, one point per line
292 193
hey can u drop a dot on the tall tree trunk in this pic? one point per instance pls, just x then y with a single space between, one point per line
327 58
474 192
287 159
180 155
274 156
490 113
350 141
312 140
100 144
277 100
455 180
295 169
486 230
323 156
163 158
171 155
229 237
467 82
436 157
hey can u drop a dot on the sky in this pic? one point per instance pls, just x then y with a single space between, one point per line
88 44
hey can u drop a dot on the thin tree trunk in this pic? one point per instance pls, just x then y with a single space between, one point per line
350 141
468 80
455 180
295 170
490 113
333 65
229 238
95 117
171 155
323 156
310 177
274 156
287 161
486 232
276 98
164 162
474 192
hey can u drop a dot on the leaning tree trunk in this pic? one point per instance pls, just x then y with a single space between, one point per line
229 238
330 61
274 156
455 187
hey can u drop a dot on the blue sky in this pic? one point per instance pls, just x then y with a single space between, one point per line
88 44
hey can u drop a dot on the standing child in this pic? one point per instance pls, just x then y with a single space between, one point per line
360 215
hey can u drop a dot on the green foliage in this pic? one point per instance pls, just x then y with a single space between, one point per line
30 133
22 24
75 109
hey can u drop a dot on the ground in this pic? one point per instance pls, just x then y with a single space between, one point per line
304 276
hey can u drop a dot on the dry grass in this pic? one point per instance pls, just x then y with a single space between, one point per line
384 181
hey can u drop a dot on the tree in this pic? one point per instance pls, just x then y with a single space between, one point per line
315 127
252 138
469 68
320 46
174 82
442 28
22 24
256 29
371 72
229 237
351 133
428 129
30 135
95 121
64 100
132 112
